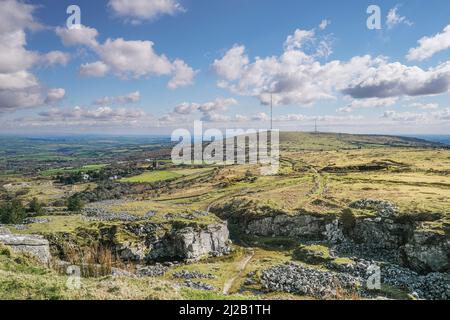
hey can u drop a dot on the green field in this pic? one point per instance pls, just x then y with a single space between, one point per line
154 176
164 175
86 168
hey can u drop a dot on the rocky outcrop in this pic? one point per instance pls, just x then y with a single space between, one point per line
34 245
193 244
428 251
334 232
377 232
131 251
149 242
387 236
396 240
300 226
381 233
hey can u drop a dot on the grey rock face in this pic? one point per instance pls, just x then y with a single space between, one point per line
300 226
378 232
428 251
31 244
194 244
333 232
386 237
153 242
129 251
381 233
150 241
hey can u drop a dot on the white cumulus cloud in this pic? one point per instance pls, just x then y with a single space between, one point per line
183 75
428 46
55 95
212 111
19 87
126 58
297 77
138 10
132 97
81 35
94 69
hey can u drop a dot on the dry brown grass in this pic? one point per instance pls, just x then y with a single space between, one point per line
94 261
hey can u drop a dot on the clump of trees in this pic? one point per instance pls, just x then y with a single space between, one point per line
98 175
71 178
12 212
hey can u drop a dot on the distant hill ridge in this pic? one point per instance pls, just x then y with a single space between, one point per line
329 141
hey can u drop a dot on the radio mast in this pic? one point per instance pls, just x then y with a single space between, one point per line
271 112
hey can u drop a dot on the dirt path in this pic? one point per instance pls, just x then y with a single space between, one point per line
240 267
320 184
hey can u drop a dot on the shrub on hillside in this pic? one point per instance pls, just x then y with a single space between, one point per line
348 220
75 204
36 207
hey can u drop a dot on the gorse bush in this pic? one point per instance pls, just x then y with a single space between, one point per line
36 207
75 204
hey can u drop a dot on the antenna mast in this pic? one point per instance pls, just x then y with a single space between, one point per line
271 112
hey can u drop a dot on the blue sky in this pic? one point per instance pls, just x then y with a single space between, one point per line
202 65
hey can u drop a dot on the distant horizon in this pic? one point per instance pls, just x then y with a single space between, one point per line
141 134
440 138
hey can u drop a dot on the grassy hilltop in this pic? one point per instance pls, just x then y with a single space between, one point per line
291 141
